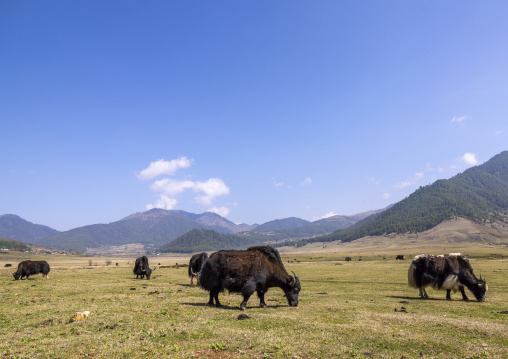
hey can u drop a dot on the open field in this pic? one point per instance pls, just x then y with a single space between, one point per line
357 309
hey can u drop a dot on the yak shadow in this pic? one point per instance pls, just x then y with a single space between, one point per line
228 307
412 298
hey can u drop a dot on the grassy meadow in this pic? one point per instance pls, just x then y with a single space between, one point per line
356 309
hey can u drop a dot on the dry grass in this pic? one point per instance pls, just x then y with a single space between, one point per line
347 310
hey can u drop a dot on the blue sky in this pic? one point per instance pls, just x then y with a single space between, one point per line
256 110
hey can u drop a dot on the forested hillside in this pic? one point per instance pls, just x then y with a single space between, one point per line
12 244
17 228
479 193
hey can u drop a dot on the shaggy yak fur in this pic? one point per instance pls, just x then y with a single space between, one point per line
247 271
196 264
27 268
448 271
141 268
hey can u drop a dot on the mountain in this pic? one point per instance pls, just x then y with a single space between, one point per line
15 227
282 224
479 194
199 240
153 227
308 230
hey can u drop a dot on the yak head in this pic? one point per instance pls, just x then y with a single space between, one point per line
480 289
292 291
148 272
16 275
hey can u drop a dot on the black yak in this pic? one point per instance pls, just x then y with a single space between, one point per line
247 271
27 268
196 263
141 268
449 271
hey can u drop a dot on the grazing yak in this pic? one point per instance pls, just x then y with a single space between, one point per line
449 271
27 268
196 263
141 268
247 271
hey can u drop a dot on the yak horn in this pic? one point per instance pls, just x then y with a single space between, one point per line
297 280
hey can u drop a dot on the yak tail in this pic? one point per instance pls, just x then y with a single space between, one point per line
411 281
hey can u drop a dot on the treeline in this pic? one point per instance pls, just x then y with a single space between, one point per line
199 240
479 193
13 245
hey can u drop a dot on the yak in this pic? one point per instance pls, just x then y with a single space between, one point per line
141 268
448 271
196 263
255 269
27 268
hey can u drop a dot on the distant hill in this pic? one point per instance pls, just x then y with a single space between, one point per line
282 224
12 244
199 240
309 230
479 194
156 226
15 227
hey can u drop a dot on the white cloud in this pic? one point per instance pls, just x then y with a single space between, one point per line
221 211
306 181
163 202
171 187
161 167
278 184
499 133
168 188
469 159
212 188
387 195
458 119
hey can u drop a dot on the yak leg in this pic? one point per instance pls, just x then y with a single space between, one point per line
448 297
216 296
464 296
210 302
192 280
248 288
423 293
244 303
261 296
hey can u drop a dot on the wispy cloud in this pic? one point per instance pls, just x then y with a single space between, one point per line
459 119
162 167
387 195
412 181
330 214
499 133
306 182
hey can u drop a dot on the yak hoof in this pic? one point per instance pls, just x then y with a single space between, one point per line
242 308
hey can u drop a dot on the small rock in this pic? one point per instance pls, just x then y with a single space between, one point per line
243 317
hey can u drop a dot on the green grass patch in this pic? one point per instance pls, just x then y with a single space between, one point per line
361 309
